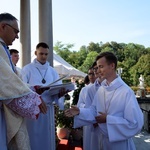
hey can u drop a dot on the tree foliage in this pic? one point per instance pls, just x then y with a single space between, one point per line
88 61
133 58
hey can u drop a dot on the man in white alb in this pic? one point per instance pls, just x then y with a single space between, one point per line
84 103
114 108
39 72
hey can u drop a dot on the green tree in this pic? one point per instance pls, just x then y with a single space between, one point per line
88 61
81 56
134 51
63 50
133 58
142 67
94 47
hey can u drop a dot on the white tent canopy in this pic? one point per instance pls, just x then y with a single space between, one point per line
64 68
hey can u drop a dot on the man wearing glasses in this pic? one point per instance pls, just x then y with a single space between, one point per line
95 137
16 31
91 136
83 102
16 99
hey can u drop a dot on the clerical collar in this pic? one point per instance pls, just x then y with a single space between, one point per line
39 65
117 82
110 83
39 62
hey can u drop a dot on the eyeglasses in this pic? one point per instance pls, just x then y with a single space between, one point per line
15 30
91 74
95 68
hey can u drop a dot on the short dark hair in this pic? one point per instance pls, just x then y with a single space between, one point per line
110 57
13 51
7 17
86 79
94 64
42 44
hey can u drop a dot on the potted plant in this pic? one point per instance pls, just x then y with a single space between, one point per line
76 92
78 132
63 123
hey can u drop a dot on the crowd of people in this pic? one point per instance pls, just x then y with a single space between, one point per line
107 107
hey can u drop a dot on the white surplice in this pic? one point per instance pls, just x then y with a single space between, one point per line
86 129
82 96
90 134
95 137
124 116
41 131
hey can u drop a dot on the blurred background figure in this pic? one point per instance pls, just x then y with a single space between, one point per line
15 58
86 80
73 80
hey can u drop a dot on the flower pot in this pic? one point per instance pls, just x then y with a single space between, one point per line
63 133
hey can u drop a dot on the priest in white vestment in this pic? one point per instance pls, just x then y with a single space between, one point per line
39 72
114 108
16 99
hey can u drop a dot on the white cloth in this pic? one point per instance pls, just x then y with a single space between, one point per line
12 92
124 116
95 136
82 96
18 72
41 131
90 134
86 129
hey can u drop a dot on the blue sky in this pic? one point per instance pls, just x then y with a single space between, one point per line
80 22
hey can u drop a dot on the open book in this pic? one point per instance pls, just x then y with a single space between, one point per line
55 88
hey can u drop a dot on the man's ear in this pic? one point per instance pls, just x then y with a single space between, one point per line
113 65
35 52
2 26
